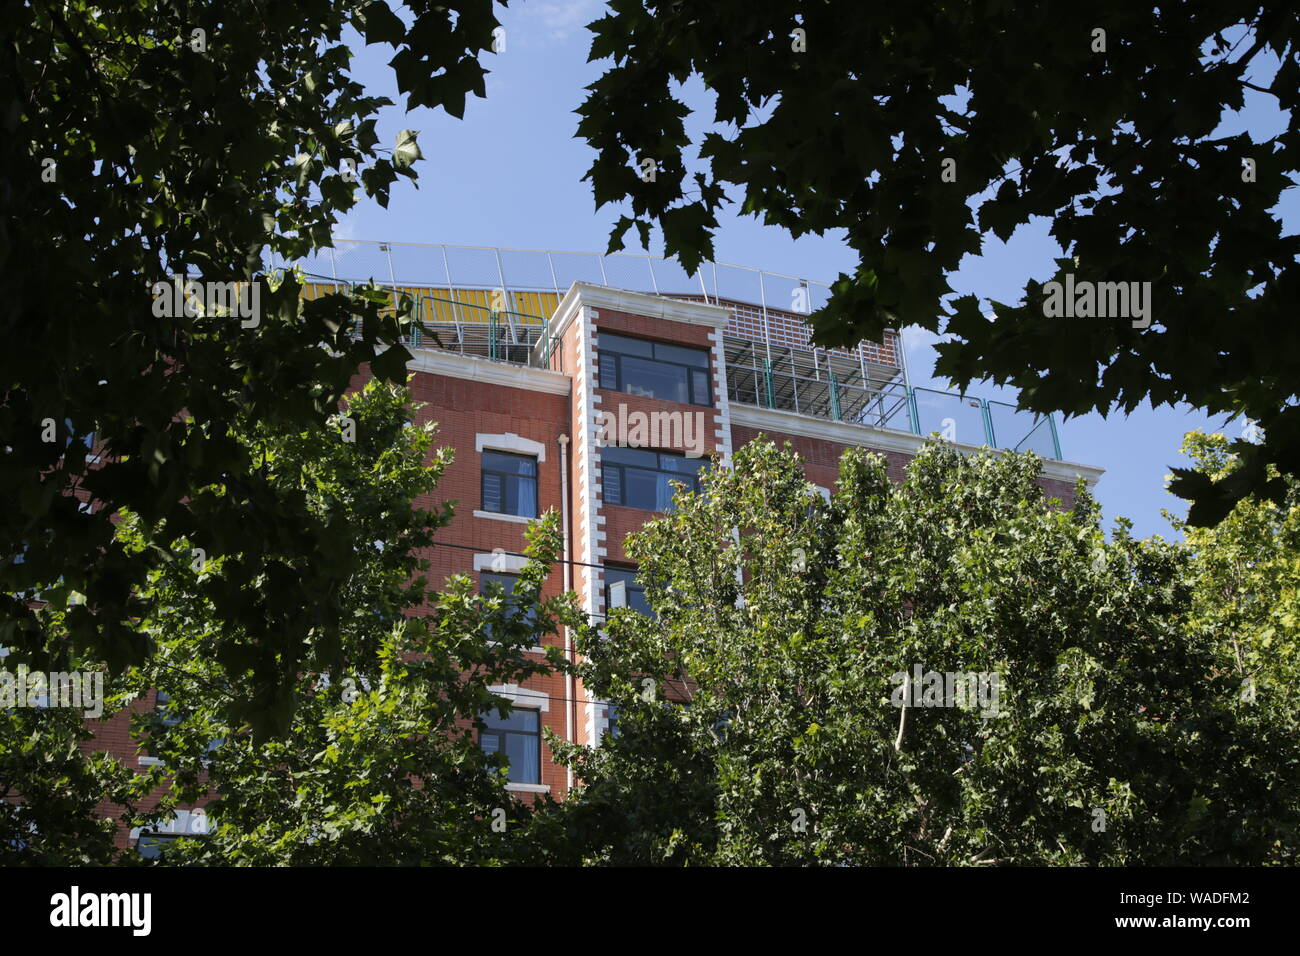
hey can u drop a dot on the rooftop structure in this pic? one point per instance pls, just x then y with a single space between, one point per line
496 303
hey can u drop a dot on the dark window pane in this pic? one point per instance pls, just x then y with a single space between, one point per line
150 846
680 464
654 369
518 738
492 492
654 380
630 456
509 464
701 393
681 355
608 341
664 493
641 488
524 754
507 583
524 721
521 497
623 590
88 440
648 487
611 479
166 713
510 484
609 372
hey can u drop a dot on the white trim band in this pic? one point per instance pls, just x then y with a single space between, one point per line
510 442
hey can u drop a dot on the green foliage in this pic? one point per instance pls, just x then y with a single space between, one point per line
142 140
782 622
1247 591
51 790
381 765
917 129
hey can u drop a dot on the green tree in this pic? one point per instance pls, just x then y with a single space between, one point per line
52 789
917 129
761 718
141 140
381 765
1246 573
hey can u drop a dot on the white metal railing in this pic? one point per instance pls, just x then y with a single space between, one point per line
777 296
792 375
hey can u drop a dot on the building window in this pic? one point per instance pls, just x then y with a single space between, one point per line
510 484
507 584
654 369
153 843
150 845
641 478
623 590
519 739
168 715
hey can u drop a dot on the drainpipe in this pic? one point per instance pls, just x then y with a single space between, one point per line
568 578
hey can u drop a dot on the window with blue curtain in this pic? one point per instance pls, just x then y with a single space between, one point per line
519 739
510 484
641 478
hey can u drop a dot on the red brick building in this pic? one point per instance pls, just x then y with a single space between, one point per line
590 395
595 406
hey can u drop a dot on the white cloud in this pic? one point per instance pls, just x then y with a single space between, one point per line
561 19
345 230
918 345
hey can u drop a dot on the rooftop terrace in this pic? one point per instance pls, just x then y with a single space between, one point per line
494 303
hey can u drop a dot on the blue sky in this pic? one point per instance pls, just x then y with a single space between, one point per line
510 174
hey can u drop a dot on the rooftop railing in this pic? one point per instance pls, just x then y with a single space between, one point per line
766 306
893 406
770 360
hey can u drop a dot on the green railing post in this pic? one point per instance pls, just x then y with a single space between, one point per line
417 329
767 378
989 438
1056 439
492 335
835 396
913 413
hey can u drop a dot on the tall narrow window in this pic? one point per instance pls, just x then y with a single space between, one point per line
519 739
168 715
510 484
623 590
507 584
